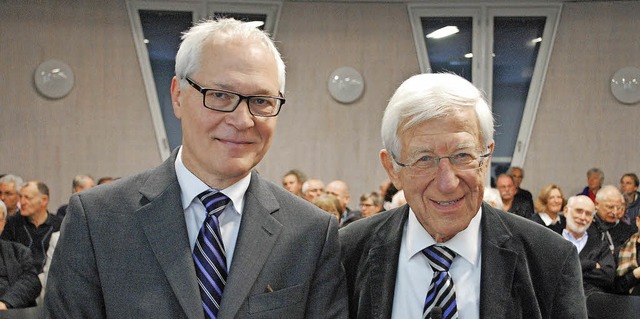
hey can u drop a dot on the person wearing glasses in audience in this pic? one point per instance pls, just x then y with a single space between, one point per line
203 235
606 224
371 204
437 132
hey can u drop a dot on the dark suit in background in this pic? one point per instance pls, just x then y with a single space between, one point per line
527 271
19 283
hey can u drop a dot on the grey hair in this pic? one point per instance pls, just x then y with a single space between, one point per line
80 181
189 54
597 171
429 96
3 209
12 179
608 192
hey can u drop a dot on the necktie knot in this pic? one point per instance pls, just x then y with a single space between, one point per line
214 201
440 257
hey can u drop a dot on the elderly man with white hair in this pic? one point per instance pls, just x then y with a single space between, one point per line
437 132
19 283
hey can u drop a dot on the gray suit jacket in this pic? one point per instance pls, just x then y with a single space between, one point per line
527 270
124 252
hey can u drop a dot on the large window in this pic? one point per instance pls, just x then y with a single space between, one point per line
504 51
157 27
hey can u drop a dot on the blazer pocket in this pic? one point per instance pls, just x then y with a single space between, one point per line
276 299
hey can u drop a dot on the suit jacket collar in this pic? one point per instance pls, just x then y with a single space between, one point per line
259 231
383 263
162 218
495 285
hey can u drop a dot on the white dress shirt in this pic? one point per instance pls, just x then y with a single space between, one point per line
579 243
415 274
195 213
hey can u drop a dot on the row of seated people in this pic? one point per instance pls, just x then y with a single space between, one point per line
28 236
603 227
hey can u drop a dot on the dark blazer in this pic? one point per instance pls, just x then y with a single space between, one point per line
22 276
527 270
124 253
596 251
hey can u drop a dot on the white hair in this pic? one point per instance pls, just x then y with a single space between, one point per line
189 54
12 179
3 210
492 197
429 96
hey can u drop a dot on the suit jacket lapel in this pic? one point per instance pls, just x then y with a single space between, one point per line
258 233
383 264
495 286
162 219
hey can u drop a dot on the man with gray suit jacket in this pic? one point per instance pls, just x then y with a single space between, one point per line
202 235
447 254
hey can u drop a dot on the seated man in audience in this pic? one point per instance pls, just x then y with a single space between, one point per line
598 264
340 189
629 188
628 272
34 225
507 189
19 283
522 195
293 180
606 224
79 183
10 193
311 189
371 204
595 178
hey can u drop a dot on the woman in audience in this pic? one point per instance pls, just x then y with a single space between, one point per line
628 273
548 205
371 204
330 204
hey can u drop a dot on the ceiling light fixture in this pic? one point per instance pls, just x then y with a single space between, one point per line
443 32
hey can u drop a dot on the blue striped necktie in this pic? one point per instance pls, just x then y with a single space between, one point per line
209 255
442 293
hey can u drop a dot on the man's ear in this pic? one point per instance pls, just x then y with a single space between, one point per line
387 163
175 97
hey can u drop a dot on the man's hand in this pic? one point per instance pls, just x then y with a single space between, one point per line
636 273
3 306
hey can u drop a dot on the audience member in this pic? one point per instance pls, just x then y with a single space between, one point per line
507 189
340 189
106 179
79 183
437 132
522 195
606 224
139 247
388 190
629 188
9 193
330 204
311 189
19 284
598 264
628 272
492 197
370 204
549 206
293 180
398 199
595 178
34 225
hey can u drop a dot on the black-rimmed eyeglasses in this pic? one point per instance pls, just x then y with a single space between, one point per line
227 101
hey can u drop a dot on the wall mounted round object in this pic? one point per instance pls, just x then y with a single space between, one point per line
53 79
625 85
346 85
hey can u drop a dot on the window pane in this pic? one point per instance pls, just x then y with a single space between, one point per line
162 31
450 53
515 49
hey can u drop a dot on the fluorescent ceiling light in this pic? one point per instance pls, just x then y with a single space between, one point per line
536 40
443 32
468 55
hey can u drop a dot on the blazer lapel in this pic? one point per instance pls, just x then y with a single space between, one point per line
258 234
162 219
383 264
495 286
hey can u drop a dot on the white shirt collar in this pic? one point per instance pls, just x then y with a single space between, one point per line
418 238
547 219
191 186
